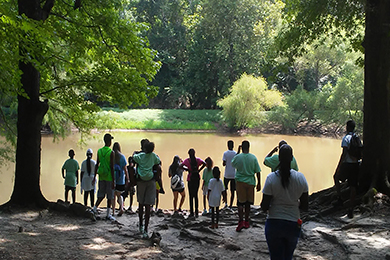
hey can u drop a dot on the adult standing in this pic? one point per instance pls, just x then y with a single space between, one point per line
247 167
105 169
193 165
146 184
347 168
87 178
285 192
272 160
121 177
177 183
230 171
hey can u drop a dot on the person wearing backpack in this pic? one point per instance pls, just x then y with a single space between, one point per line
348 166
177 183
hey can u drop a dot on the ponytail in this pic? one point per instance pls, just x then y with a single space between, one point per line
89 156
285 158
193 161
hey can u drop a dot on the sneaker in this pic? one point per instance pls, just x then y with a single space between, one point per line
145 235
204 212
94 210
212 226
246 224
240 226
110 217
210 211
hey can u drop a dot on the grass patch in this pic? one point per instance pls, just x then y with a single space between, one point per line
159 119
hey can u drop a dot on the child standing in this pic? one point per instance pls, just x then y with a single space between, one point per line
71 166
207 176
215 190
87 176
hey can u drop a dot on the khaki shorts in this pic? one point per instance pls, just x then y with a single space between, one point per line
105 188
245 193
146 192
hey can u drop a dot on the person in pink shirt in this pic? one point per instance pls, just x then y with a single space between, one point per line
193 165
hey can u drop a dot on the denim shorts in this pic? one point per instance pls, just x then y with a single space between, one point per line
282 237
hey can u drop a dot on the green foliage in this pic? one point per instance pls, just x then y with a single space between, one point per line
249 96
311 20
230 38
94 51
158 119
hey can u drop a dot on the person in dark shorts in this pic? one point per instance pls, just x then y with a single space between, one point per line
177 183
71 168
347 169
230 171
121 177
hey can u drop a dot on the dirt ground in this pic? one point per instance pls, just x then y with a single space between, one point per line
51 234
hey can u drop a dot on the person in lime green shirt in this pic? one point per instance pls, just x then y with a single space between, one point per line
206 177
105 169
247 167
71 167
272 160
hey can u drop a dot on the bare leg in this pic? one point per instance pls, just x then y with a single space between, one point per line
175 196
183 196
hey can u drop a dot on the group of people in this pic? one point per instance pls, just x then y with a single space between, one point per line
285 190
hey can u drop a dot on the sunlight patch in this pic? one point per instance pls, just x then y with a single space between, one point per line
65 228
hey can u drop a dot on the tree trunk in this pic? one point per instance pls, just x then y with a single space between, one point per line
28 150
31 111
376 163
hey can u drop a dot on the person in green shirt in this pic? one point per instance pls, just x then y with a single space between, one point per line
272 160
146 184
247 167
105 169
71 167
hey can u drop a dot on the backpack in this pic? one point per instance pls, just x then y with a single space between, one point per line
355 147
175 182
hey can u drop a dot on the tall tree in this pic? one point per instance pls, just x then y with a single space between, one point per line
66 50
312 19
230 38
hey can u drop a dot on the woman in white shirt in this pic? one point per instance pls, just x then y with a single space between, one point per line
285 192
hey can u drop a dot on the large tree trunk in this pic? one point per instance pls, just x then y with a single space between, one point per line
376 162
31 111
28 151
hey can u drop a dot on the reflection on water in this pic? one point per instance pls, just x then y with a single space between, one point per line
316 157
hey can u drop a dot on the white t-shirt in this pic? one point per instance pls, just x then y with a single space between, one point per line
216 187
285 202
230 171
86 182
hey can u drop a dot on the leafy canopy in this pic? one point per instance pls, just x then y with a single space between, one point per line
91 54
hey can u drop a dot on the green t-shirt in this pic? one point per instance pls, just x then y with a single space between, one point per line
145 162
207 176
247 166
273 162
104 168
71 166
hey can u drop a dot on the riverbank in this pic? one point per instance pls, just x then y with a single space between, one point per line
202 121
53 235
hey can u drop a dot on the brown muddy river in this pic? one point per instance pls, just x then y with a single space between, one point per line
316 157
